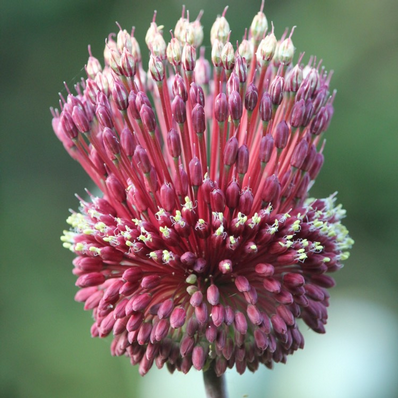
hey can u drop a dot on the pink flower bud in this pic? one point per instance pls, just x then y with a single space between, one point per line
142 159
241 68
177 317
217 200
225 266
196 299
195 170
110 141
166 309
316 166
299 154
217 315
80 119
297 115
232 195
231 151
233 83
128 142
271 189
319 122
133 110
246 202
188 58
276 90
179 88
91 279
242 284
104 116
264 269
240 322
167 197
196 95
150 281
198 357
213 295
266 148
68 125
120 95
132 274
242 160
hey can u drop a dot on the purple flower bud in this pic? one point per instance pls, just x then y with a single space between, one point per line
297 115
266 148
320 99
116 188
251 97
167 197
264 269
173 143
68 125
80 119
319 122
177 317
240 322
276 90
308 113
316 166
133 110
148 117
198 119
221 108
127 64
242 160
91 279
198 357
266 107
242 284
196 95
235 106
281 134
104 116
110 141
166 309
299 154
254 315
213 295
271 189
241 68
217 315
178 109
231 151
182 183
132 274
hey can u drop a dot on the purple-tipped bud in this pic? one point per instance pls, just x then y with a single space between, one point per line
213 295
137 197
177 317
241 68
309 159
195 170
179 88
181 184
110 141
276 90
142 99
178 109
133 110
196 95
142 159
281 134
246 202
174 143
104 116
316 166
217 200
319 122
68 125
320 99
148 117
299 154
120 95
128 142
242 160
225 266
231 151
188 58
198 119
266 107
167 198
235 106
156 68
266 148
127 63
308 113
221 108
251 97
232 195
80 119
228 56
240 323
233 83
297 115
271 188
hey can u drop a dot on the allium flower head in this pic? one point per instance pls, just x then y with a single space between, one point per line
204 247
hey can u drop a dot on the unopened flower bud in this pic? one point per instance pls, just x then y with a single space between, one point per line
179 110
259 26
286 51
235 106
195 171
266 148
173 143
246 51
220 30
242 160
156 68
266 107
231 151
281 134
128 142
202 69
271 189
297 115
188 58
148 118
80 119
167 197
228 56
276 90
93 67
104 116
116 188
221 108
266 49
120 95
174 52
196 95
251 97
233 83
216 50
198 119
217 200
110 141
299 154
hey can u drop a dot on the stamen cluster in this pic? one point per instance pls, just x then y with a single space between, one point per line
204 247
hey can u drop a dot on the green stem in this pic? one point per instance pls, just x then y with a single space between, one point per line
215 386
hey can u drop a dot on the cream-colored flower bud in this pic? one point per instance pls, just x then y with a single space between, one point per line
151 33
173 52
246 51
216 51
110 46
102 83
158 46
180 29
93 66
286 51
228 56
266 49
135 49
197 33
123 40
220 30
156 68
259 27
190 35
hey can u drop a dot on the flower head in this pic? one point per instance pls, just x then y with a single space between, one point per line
204 247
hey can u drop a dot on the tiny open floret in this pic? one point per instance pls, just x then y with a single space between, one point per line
204 248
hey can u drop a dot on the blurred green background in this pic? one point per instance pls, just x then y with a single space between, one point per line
46 349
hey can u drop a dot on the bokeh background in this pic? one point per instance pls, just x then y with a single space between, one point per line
46 349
